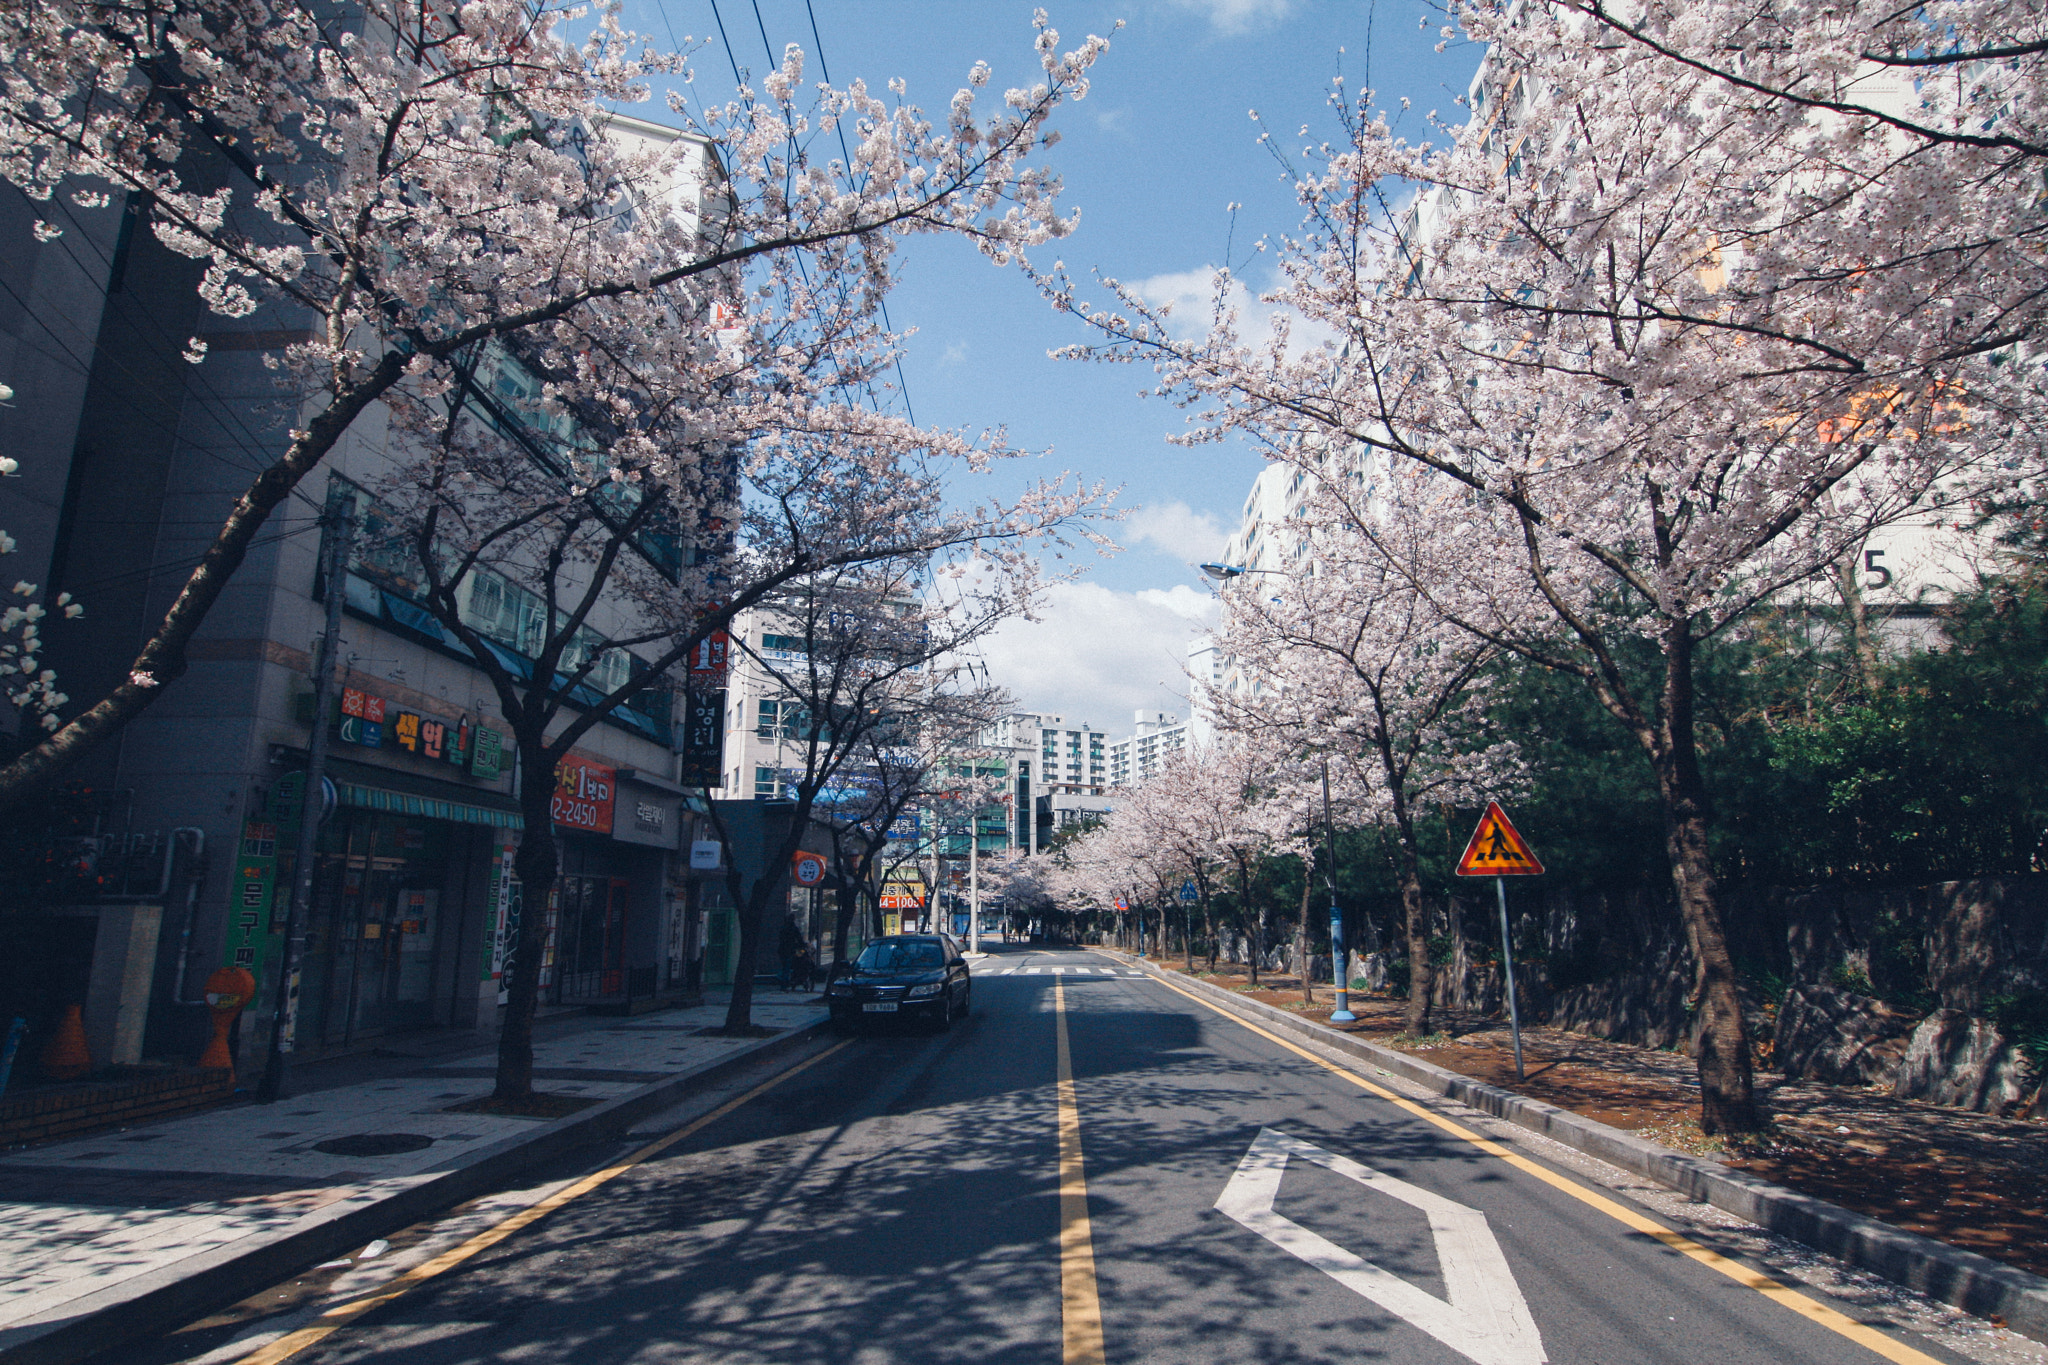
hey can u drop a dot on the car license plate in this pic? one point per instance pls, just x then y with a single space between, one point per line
887 1007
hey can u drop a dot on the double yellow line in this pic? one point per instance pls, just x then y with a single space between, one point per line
340 1316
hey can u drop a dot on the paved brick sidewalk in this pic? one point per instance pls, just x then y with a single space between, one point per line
85 1215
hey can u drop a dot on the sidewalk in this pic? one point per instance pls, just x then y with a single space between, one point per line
101 1226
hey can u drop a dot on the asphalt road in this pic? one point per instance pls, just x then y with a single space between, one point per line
900 1200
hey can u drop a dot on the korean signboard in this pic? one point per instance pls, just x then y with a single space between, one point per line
375 723
710 660
584 794
254 891
703 737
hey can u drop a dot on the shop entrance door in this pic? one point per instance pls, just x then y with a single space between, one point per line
718 947
375 929
592 959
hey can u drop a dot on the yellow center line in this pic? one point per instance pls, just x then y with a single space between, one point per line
340 1316
1776 1291
1080 1310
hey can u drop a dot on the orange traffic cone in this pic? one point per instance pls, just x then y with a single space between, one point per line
67 1057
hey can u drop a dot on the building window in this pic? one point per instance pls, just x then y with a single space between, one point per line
767 784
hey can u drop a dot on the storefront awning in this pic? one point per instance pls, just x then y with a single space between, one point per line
368 786
426 807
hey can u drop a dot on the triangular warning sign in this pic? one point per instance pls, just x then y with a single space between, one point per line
1498 849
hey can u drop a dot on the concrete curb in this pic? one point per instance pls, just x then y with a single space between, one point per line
1952 1275
164 1298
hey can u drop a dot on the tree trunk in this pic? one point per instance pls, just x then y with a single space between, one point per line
1308 889
1255 928
739 1012
1415 923
842 923
537 863
1727 1096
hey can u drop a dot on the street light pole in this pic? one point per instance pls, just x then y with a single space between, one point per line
1342 1014
974 882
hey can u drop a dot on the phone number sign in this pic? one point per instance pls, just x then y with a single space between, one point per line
583 798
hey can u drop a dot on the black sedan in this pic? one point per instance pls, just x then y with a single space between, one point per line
904 976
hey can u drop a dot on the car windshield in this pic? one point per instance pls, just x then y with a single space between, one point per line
896 957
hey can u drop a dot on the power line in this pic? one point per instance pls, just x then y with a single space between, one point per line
846 153
803 269
197 378
188 562
737 78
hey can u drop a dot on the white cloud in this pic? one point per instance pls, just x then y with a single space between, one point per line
1178 529
1189 296
1097 655
1237 16
954 354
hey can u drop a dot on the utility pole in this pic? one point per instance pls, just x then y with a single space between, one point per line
974 882
340 527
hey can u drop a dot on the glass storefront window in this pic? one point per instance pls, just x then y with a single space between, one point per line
377 926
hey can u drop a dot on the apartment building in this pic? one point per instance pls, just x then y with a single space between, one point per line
132 456
1156 739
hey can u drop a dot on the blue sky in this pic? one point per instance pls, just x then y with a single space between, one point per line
1152 158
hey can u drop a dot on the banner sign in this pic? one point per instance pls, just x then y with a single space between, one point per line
255 890
703 756
372 722
710 660
584 793
499 905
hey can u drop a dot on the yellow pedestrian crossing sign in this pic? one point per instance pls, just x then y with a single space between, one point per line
1498 849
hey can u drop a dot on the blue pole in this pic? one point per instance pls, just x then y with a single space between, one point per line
1342 1014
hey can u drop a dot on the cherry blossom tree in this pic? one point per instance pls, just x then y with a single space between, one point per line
1674 344
1109 863
410 185
881 656
1354 661
628 575
913 761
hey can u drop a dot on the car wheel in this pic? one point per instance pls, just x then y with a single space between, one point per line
945 1016
966 1001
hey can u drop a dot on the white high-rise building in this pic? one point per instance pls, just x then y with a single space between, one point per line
1050 761
1158 737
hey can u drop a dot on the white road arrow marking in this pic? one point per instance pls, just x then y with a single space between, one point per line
1483 1315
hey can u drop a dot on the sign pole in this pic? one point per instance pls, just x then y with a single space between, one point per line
1497 849
1507 960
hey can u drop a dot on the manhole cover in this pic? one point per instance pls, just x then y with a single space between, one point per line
374 1144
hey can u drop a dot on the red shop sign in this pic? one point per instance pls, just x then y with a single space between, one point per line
583 796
